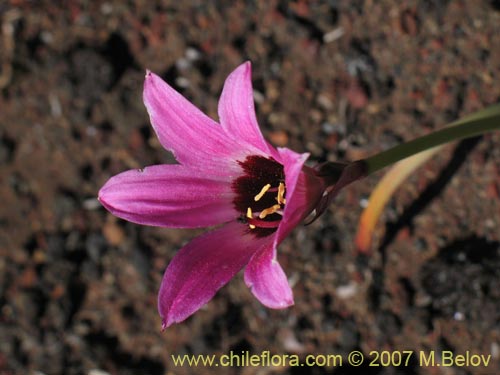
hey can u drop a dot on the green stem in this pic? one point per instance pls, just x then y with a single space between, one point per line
476 124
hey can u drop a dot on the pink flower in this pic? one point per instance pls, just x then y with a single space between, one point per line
229 177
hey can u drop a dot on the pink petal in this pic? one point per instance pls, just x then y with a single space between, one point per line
236 108
169 196
266 279
303 191
194 138
263 273
201 268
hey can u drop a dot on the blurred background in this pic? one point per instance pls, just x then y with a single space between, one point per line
338 79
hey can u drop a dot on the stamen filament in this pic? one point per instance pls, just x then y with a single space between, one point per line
263 223
262 192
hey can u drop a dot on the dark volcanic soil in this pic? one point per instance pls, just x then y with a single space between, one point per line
339 79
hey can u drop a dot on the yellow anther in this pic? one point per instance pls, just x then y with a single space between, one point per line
281 193
262 192
250 216
269 211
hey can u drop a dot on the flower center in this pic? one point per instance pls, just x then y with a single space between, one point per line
260 194
256 219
